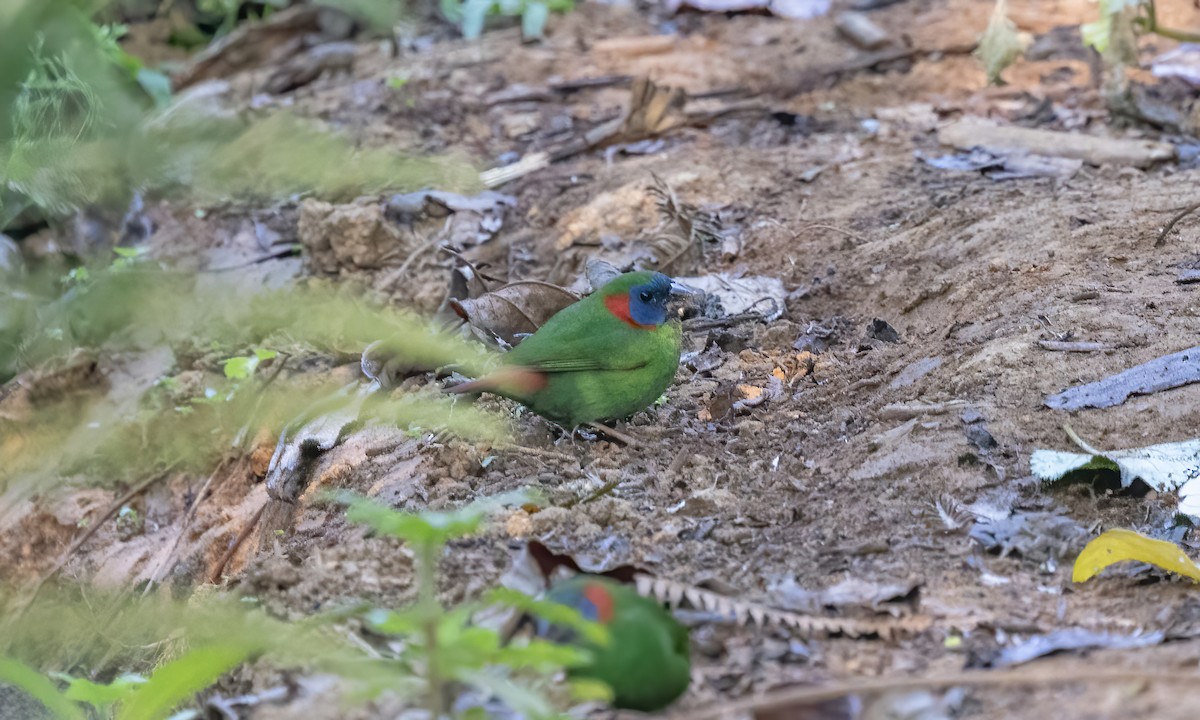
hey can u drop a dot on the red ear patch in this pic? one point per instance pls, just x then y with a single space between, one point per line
619 305
601 599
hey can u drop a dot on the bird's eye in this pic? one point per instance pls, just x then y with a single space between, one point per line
645 296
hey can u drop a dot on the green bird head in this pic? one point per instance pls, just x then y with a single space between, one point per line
641 298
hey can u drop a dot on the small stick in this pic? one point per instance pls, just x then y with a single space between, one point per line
600 492
791 697
538 452
614 434
1070 431
710 323
187 521
87 535
215 579
1067 346
1162 236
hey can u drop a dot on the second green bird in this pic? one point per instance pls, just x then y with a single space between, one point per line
646 662
603 358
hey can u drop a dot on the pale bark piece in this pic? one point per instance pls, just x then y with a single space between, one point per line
861 30
1164 373
973 132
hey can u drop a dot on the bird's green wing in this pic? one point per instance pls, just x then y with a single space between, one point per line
584 337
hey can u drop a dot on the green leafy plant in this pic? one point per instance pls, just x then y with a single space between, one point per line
471 15
241 368
1120 17
441 646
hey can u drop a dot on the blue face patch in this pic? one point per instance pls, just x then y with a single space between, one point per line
648 302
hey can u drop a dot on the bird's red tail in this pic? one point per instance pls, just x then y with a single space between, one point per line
505 381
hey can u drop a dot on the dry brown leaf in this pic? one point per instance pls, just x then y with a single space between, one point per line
749 392
653 110
253 44
599 272
518 308
747 613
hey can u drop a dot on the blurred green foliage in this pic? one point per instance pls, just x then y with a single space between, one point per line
444 647
127 431
167 650
472 15
86 123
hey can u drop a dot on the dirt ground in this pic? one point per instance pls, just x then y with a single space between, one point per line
837 476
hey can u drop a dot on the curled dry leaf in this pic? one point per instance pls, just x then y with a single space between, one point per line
599 272
677 594
1000 44
737 295
514 310
653 110
253 44
1116 546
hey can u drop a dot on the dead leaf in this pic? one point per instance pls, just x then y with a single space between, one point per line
304 68
752 397
1116 546
851 592
516 309
1000 44
695 230
737 295
599 272
1072 639
253 44
653 110
678 594
790 9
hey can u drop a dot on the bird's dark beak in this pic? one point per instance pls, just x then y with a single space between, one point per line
678 289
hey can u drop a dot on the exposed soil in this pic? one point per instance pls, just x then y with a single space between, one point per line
837 476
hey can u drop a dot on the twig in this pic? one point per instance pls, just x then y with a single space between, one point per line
1150 24
792 697
219 570
810 80
226 706
1068 346
288 251
396 275
187 521
117 504
834 228
1080 442
614 434
695 324
1162 236
538 452
598 493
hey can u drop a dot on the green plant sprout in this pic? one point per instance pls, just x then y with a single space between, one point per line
442 646
241 368
1140 15
471 15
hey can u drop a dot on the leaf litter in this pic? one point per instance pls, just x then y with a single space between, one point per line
788 460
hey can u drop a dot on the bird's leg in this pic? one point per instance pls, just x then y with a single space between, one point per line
614 434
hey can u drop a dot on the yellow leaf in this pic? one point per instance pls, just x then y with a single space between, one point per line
1115 546
749 392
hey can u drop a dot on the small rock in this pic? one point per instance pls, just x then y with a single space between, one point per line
354 236
881 330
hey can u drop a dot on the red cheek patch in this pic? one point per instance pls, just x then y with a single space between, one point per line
603 602
619 305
